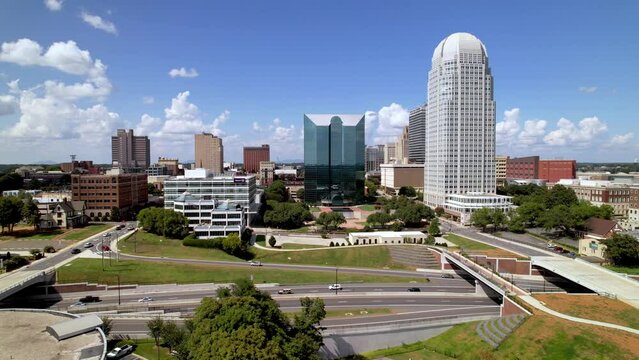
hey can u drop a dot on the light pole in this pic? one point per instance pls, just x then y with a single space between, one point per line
336 280
119 300
102 251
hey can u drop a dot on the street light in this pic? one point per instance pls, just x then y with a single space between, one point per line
336 280
119 299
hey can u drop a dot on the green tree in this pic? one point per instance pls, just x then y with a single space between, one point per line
408 191
558 218
10 212
300 194
433 228
560 195
107 325
115 214
233 245
372 187
481 218
516 223
172 335
439 211
272 241
397 226
30 213
498 218
277 191
11 181
622 250
330 220
530 212
379 218
286 215
155 327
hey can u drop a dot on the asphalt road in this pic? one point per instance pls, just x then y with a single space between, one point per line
508 245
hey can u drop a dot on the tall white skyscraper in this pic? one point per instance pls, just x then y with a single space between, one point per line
460 127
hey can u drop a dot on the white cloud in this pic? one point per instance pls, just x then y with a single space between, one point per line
8 104
99 23
622 139
532 132
256 126
148 100
570 134
587 89
53 5
183 72
390 121
148 125
507 129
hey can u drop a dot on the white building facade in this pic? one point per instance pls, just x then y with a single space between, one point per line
460 126
210 218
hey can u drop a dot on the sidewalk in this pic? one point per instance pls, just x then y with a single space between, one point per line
539 306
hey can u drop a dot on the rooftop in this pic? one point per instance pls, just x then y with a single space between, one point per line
325 119
458 43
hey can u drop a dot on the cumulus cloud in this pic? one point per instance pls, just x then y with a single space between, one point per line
53 5
587 89
147 125
8 104
569 133
148 100
183 72
390 121
286 140
622 139
532 133
99 23
507 129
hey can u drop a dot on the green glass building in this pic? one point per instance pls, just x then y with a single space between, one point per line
333 159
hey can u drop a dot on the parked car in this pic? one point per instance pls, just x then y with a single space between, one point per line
88 245
284 291
414 289
448 276
76 251
145 299
550 245
255 263
119 352
335 287
89 299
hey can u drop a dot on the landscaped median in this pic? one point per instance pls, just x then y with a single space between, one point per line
151 272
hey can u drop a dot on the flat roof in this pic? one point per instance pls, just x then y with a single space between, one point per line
389 233
401 165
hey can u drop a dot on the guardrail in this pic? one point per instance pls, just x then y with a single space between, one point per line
461 263
4 292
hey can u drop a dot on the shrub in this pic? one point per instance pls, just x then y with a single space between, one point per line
430 240
36 253
331 244
444 244
272 241
15 262
215 243
49 249
260 238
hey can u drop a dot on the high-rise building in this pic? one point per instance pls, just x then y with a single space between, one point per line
417 135
333 159
209 153
374 157
390 152
130 151
253 155
459 168
401 147
501 164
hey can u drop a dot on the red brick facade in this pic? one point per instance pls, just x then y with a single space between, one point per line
252 157
554 170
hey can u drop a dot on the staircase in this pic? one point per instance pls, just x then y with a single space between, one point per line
418 256
495 331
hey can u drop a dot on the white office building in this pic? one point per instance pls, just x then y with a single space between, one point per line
210 218
460 128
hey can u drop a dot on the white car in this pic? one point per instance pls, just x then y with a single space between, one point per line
145 299
335 287
255 263
79 303
119 352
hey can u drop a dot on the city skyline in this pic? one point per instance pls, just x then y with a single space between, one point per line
82 77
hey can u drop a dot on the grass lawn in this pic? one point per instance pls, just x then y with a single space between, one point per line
146 348
367 207
301 246
143 272
87 231
540 337
626 270
27 233
475 247
365 256
593 307
147 244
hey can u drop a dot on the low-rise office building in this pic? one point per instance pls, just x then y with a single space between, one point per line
104 192
462 206
395 176
210 218
386 237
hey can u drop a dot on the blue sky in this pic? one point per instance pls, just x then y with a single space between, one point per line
565 72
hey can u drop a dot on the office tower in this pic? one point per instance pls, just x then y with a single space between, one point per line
417 135
390 151
333 159
209 153
374 157
253 155
459 168
401 147
130 151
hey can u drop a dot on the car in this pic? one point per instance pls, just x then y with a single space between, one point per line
75 304
119 227
88 245
448 276
549 245
89 299
76 251
145 299
255 263
106 235
335 287
105 248
558 249
414 289
119 352
284 291
130 228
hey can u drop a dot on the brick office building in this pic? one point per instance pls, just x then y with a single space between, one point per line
253 155
531 167
103 192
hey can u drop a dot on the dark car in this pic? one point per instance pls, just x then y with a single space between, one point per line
559 249
76 251
89 299
119 227
105 248
414 289
448 276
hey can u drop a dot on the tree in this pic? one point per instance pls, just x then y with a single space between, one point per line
622 250
107 325
408 191
439 211
272 241
233 245
430 240
300 194
397 226
155 330
115 214
380 218
30 212
10 212
277 191
559 217
530 212
560 195
245 323
286 215
498 218
164 222
172 335
516 223
330 220
433 228
372 187
481 218
36 253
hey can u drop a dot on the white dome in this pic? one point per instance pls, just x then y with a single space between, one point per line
457 43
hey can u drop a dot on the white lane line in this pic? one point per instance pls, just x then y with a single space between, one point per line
377 289
342 301
313 291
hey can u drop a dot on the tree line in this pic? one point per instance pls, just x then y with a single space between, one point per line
14 209
279 212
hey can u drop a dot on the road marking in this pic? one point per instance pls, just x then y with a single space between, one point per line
410 301
342 301
377 289
313 291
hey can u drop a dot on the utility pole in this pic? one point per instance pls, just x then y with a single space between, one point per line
336 280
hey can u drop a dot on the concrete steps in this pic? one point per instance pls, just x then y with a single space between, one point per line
415 256
495 331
